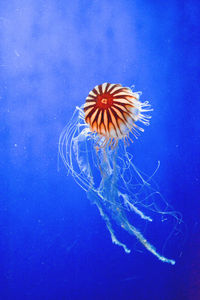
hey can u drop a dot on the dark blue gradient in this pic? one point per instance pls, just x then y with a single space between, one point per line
54 244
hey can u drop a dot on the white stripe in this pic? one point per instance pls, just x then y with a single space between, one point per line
116 88
92 93
89 103
90 98
104 85
124 94
122 101
111 85
97 89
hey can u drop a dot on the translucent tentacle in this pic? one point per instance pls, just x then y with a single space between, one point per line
105 170
132 230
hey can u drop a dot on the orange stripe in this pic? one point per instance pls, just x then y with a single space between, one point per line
94 115
114 121
105 120
120 115
88 111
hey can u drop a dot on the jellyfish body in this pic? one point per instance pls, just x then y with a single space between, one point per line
111 110
93 147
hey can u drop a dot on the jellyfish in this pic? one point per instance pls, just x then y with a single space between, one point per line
93 147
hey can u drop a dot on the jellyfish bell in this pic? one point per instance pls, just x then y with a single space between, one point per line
109 176
112 111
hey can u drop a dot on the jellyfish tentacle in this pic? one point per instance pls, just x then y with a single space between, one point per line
132 230
93 147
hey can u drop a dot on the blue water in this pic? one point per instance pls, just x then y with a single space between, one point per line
54 244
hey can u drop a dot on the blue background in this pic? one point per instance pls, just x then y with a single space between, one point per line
54 244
